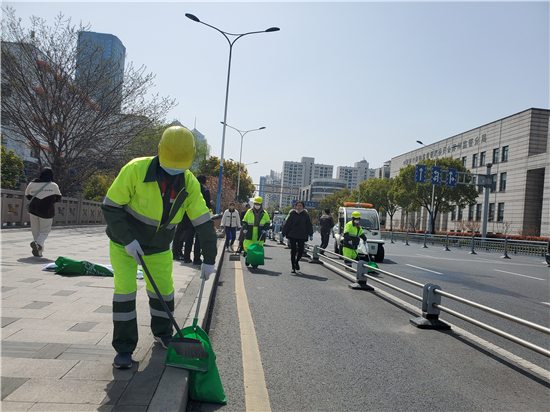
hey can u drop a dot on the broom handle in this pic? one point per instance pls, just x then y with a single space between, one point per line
162 302
200 297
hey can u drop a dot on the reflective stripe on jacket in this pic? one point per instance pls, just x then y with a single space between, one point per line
248 223
353 233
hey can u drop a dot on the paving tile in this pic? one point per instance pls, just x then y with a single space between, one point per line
64 293
6 288
100 371
7 321
17 406
50 351
104 309
47 324
83 326
73 407
16 349
61 391
11 384
30 280
31 335
99 353
36 368
37 305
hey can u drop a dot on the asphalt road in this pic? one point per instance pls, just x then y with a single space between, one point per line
324 346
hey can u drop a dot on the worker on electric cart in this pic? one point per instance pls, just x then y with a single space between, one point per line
142 208
352 233
255 221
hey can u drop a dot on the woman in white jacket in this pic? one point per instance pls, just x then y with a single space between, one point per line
231 222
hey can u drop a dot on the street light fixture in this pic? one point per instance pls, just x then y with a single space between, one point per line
231 42
242 133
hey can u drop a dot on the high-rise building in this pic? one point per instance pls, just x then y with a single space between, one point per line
353 175
102 55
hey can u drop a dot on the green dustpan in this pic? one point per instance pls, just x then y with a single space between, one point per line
194 364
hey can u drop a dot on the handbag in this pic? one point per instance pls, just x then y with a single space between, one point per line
38 191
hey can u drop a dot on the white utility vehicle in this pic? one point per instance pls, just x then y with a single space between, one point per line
371 228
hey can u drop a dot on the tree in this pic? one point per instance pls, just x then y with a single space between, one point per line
96 187
335 200
211 167
445 197
227 194
73 110
12 169
381 193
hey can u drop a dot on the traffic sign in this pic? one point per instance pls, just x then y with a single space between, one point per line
435 176
451 179
420 173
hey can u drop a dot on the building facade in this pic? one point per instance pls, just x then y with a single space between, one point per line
353 175
518 149
321 188
88 58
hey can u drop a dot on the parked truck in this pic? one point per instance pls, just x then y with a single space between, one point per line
370 223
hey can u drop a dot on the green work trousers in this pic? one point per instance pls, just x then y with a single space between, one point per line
125 334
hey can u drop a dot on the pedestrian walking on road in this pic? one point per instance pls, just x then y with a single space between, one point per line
42 193
297 229
192 241
241 233
255 221
352 232
231 222
141 220
327 223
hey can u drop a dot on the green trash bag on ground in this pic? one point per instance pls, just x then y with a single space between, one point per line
205 384
255 254
66 266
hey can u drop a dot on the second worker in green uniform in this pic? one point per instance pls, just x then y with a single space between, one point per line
352 233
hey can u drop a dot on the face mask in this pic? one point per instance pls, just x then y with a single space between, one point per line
172 171
257 207
356 221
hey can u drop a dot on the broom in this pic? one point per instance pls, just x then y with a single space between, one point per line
184 347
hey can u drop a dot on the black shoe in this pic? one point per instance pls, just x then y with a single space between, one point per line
187 260
297 266
123 361
178 257
293 270
197 262
164 341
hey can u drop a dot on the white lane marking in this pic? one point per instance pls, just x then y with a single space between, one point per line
545 303
517 274
427 270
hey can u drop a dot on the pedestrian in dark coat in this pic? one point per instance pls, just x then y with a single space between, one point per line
191 234
327 223
297 229
43 193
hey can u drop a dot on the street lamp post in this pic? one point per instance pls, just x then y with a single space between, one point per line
231 42
239 178
242 133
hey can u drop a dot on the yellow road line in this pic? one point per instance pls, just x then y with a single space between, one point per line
255 390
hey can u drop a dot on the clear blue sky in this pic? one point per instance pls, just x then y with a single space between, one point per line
341 81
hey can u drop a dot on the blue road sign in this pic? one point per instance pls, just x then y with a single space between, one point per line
451 179
435 176
420 173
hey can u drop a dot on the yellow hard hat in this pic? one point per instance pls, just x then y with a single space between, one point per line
177 148
258 200
356 214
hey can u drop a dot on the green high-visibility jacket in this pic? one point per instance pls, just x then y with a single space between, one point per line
133 209
248 224
352 234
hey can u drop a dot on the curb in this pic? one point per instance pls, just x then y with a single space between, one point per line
172 393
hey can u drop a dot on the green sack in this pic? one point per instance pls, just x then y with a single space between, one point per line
66 266
255 254
202 365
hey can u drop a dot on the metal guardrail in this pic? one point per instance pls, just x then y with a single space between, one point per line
505 246
431 300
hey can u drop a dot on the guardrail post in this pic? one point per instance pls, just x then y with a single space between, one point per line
361 282
472 251
391 238
407 238
430 314
505 256
447 243
425 247
316 253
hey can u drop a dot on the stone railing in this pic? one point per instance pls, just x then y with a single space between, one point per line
68 211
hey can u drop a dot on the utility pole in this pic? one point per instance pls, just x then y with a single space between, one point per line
487 185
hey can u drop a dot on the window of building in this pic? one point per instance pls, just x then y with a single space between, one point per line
460 212
494 183
474 160
478 212
491 217
471 213
464 160
500 215
502 182
482 159
35 152
453 213
505 154
496 156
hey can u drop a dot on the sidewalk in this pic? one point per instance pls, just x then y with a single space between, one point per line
57 331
